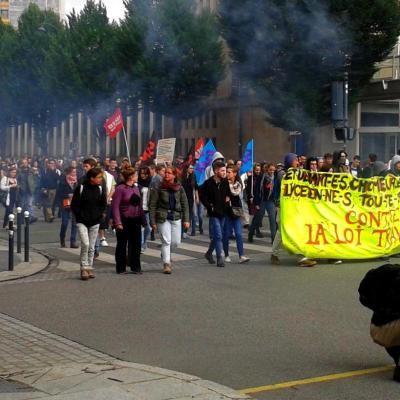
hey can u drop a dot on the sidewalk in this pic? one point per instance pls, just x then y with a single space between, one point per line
36 364
37 263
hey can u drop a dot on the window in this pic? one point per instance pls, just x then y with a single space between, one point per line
201 122
4 14
379 119
192 123
186 124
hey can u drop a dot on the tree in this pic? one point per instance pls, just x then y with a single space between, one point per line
35 100
8 49
172 57
291 50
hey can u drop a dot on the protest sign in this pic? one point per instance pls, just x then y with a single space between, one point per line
329 215
165 150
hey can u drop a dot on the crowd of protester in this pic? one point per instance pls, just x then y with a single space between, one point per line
99 197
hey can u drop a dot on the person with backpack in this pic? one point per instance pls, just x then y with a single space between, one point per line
88 204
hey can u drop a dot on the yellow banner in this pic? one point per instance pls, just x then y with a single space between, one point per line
329 215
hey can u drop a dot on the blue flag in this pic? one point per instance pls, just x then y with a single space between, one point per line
204 161
248 156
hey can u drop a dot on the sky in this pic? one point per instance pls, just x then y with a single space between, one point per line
115 8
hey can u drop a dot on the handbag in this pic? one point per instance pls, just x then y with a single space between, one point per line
237 212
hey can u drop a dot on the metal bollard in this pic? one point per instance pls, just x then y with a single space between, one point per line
11 242
26 241
19 229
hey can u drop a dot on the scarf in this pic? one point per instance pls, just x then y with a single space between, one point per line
171 187
235 188
71 180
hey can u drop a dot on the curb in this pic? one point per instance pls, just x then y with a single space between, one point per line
38 261
118 380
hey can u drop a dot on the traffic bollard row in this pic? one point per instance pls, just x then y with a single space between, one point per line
11 218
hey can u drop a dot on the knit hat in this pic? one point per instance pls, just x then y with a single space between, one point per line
288 161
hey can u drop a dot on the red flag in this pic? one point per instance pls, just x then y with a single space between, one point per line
114 124
150 151
199 148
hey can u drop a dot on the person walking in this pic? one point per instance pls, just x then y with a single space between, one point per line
26 181
88 205
144 183
66 188
129 218
234 219
189 184
214 194
9 185
48 185
169 209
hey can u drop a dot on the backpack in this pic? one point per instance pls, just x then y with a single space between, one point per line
100 187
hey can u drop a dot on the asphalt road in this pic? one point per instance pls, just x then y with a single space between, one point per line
243 326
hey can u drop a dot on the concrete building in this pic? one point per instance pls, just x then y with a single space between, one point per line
10 10
4 11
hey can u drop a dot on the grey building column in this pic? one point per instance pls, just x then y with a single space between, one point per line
33 142
19 146
13 134
71 135
55 147
26 133
163 127
80 133
88 135
129 134
140 130
62 138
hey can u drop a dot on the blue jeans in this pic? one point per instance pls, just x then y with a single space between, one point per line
27 200
146 230
236 225
198 211
216 234
67 215
270 208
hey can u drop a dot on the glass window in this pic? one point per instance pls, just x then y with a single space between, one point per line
379 119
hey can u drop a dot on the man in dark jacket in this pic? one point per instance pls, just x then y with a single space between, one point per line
48 187
214 194
26 182
88 205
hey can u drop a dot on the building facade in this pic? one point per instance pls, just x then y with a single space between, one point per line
5 11
11 10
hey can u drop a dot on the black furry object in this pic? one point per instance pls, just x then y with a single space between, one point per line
380 291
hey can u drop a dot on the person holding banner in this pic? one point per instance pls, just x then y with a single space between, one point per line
169 210
291 161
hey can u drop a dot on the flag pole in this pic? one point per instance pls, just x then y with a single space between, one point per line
127 147
252 170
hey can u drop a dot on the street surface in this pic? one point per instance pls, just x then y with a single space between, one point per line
245 326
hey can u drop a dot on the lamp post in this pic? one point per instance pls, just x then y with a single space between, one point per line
240 120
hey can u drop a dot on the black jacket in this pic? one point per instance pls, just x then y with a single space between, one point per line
213 196
89 206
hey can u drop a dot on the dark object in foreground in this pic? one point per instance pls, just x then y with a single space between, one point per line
380 292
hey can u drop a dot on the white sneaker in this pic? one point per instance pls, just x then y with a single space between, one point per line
103 242
244 259
228 259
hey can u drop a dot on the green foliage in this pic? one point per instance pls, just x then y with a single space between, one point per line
175 56
291 50
161 53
